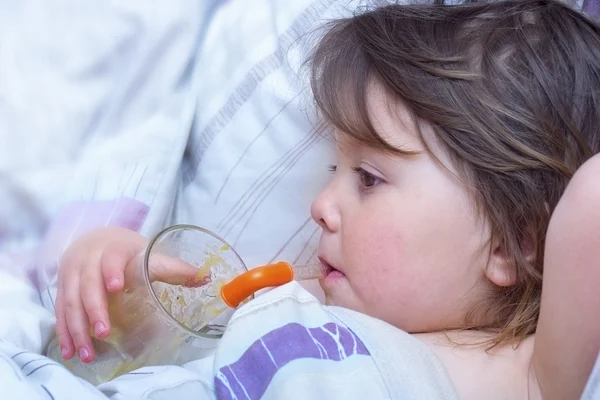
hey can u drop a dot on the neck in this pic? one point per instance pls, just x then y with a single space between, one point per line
504 371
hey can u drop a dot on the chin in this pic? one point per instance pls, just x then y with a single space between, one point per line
329 301
334 299
336 291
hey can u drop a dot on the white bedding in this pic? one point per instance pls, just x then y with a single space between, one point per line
146 113
127 116
96 105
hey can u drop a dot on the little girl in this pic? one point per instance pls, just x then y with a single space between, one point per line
454 200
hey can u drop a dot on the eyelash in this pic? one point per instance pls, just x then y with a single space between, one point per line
366 175
363 175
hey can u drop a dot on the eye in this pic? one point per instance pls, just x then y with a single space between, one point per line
332 168
367 180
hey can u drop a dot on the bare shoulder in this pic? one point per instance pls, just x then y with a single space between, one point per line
584 188
500 373
568 333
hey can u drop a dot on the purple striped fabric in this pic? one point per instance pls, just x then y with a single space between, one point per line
249 377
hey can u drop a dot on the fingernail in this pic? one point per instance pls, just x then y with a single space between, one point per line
84 353
99 328
113 283
63 352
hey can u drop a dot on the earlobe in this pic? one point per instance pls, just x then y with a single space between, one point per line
501 268
501 275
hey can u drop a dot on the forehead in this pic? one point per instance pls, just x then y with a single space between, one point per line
392 122
392 119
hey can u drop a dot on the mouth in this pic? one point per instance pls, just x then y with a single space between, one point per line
329 270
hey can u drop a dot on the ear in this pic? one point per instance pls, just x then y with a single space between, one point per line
501 269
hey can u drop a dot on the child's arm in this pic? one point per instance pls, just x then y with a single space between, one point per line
568 334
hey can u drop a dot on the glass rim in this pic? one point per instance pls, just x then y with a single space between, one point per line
153 294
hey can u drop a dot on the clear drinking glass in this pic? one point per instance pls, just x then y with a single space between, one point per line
169 312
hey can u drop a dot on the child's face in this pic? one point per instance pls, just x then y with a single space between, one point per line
403 233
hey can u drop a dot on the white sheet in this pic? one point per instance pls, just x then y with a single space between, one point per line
336 354
113 113
94 97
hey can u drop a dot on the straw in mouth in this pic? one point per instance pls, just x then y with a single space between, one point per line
314 270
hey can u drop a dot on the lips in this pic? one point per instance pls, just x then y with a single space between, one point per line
328 268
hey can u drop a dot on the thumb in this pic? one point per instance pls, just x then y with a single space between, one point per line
175 271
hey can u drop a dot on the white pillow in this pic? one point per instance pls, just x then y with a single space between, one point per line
255 161
95 111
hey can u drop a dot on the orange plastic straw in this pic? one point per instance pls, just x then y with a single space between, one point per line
244 285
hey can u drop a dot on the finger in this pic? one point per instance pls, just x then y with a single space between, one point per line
67 272
67 349
175 271
93 297
113 262
77 320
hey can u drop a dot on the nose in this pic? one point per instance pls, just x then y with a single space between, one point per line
325 209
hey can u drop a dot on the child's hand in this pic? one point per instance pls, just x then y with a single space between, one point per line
94 264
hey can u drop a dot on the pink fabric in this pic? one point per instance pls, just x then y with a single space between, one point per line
73 221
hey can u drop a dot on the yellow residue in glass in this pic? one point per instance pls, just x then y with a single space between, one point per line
165 300
164 296
209 262
225 247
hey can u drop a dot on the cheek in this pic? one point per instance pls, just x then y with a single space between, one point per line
370 237
376 254
392 261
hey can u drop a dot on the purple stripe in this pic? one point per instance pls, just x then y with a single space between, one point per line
249 377
592 8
